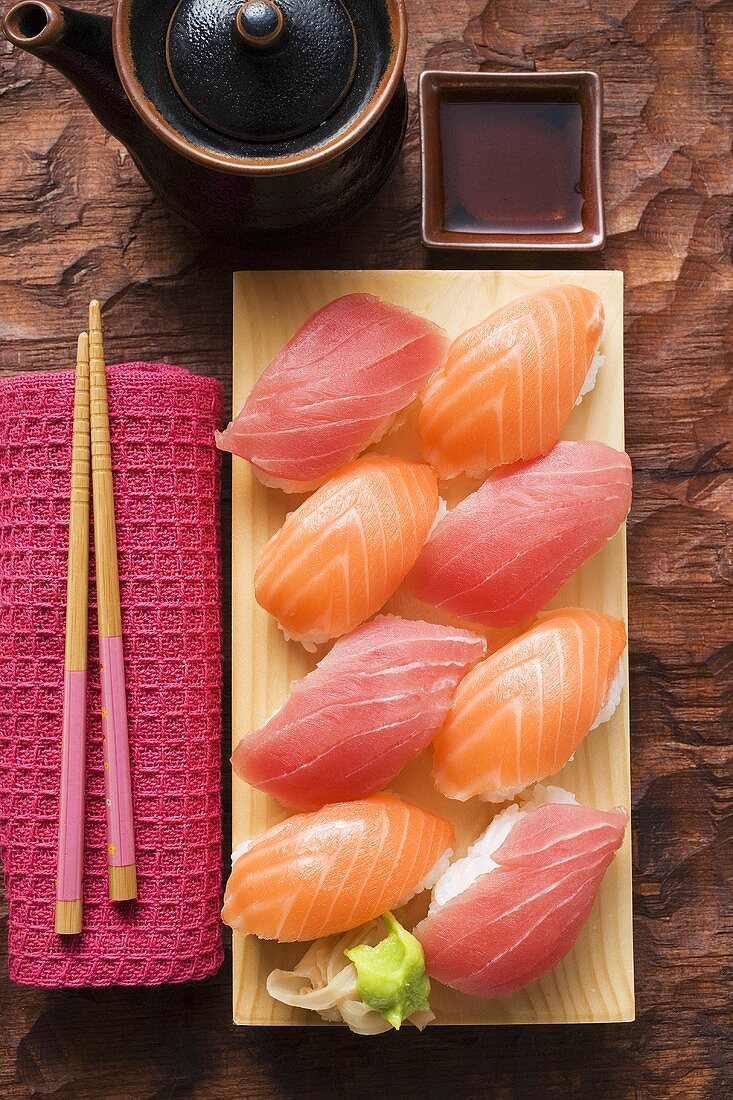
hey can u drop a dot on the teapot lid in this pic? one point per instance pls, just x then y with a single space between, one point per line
147 41
262 70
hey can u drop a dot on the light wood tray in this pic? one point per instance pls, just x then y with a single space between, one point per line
594 983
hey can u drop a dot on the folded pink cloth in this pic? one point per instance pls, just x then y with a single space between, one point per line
166 478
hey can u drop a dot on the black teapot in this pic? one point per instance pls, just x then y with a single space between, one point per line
253 118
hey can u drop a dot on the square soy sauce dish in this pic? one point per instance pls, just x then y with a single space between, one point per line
512 160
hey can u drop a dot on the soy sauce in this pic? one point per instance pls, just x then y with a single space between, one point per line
512 167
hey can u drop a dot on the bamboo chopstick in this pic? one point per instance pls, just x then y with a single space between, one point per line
71 802
122 875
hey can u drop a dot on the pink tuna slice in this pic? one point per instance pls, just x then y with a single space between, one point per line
334 388
373 703
517 922
504 551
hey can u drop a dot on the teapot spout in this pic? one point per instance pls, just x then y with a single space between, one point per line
79 45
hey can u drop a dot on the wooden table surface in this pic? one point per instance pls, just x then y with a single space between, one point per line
78 222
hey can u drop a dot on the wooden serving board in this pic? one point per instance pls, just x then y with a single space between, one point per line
594 983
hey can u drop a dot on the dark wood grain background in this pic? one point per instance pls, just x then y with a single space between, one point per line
78 222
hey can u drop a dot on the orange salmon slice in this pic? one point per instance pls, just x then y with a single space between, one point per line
339 557
520 715
510 383
320 873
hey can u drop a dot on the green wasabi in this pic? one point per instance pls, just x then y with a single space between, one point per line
391 977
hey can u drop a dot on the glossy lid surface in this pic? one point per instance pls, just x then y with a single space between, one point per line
262 70
141 31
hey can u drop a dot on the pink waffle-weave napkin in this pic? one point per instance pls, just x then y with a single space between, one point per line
166 479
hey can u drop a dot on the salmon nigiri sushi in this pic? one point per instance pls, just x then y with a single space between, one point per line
509 911
504 551
520 715
373 703
325 872
339 557
510 383
336 387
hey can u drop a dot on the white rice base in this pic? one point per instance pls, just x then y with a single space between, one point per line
613 698
310 644
477 861
287 486
592 376
504 794
441 868
242 848
441 513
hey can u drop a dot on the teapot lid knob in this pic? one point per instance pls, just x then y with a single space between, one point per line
260 23
262 70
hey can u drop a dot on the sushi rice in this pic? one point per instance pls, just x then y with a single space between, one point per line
592 376
441 513
477 861
614 695
432 877
241 848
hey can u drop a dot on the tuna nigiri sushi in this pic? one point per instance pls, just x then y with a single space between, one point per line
520 715
339 556
510 383
335 388
325 872
504 551
513 908
373 703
